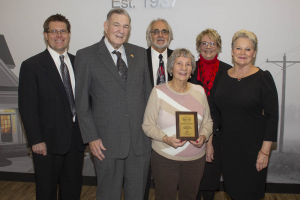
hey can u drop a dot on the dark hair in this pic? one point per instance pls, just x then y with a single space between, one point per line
56 18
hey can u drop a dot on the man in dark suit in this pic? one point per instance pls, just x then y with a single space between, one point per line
112 89
47 109
159 35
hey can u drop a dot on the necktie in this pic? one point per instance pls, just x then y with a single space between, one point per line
122 68
67 84
161 71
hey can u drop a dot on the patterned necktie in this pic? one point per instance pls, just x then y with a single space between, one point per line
121 66
161 71
67 84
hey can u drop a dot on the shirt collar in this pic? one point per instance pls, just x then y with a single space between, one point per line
155 54
54 54
111 49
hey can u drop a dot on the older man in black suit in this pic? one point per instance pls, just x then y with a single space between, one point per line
112 89
159 35
47 108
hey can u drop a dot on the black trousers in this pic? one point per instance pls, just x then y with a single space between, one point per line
65 170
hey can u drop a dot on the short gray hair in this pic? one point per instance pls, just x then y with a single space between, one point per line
245 34
148 36
119 11
177 53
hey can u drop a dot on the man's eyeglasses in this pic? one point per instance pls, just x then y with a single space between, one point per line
163 32
55 32
205 44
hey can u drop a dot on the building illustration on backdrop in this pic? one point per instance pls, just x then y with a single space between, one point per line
12 139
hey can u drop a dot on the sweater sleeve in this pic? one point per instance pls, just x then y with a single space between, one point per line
270 106
150 126
207 124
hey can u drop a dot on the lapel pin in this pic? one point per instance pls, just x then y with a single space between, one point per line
131 55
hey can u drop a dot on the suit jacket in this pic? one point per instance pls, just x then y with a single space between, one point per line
107 108
222 67
44 106
169 52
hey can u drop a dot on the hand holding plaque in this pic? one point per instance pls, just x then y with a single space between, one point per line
186 125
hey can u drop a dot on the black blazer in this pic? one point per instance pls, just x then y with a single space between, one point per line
169 52
44 106
223 67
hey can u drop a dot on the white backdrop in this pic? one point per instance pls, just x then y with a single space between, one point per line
275 22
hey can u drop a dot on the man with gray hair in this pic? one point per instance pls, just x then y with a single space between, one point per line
112 90
159 36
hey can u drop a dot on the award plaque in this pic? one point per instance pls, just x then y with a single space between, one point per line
186 125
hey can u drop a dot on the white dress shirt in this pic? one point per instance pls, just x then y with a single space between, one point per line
155 63
56 59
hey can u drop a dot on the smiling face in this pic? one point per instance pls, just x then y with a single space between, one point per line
159 42
182 68
243 52
117 30
60 41
208 52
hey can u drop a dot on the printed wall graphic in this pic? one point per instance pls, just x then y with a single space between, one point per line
275 22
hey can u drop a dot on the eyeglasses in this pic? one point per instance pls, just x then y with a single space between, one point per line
163 32
205 44
55 32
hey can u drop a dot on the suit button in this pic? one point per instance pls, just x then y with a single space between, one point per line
127 97
127 115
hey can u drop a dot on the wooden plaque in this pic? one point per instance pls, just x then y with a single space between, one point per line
186 125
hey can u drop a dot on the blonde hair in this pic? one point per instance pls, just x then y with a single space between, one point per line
213 35
245 34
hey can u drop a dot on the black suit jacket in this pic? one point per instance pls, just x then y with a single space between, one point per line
44 106
222 67
169 52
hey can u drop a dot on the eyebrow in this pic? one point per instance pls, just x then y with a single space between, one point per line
120 24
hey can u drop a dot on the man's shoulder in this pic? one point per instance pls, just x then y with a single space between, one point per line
132 46
36 58
92 47
71 55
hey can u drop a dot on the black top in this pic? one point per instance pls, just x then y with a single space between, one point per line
248 110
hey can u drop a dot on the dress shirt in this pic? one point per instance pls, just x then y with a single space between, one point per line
155 63
114 56
56 59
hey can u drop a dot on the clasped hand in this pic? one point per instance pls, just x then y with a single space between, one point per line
175 143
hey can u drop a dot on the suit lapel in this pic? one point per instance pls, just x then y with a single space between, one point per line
106 58
169 52
150 65
54 76
72 59
131 62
